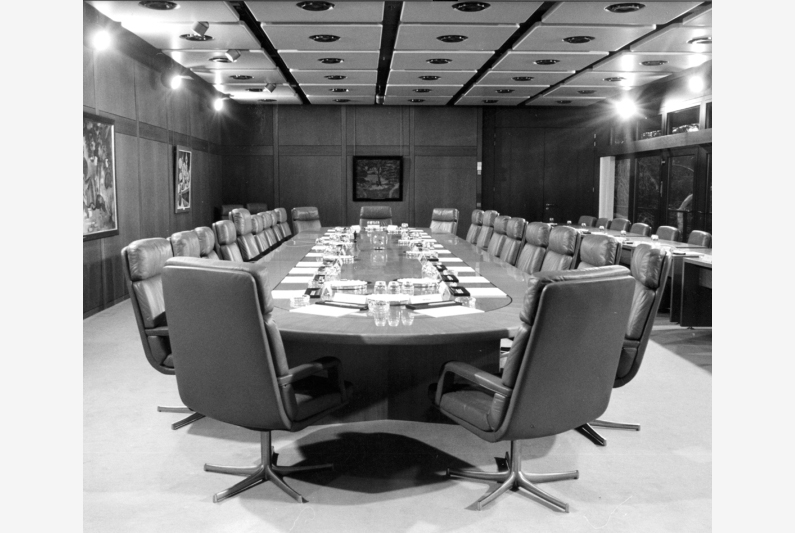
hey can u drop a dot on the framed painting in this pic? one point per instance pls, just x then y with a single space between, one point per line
377 178
182 179
100 218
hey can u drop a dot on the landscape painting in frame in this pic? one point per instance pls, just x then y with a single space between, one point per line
182 179
100 218
378 178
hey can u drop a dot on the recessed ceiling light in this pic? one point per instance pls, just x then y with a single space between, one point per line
563 101
429 78
220 59
504 91
241 77
330 60
416 100
452 38
335 77
547 61
586 91
706 39
255 90
655 63
159 5
490 101
471 6
579 39
324 38
341 100
615 78
522 78
338 90
267 100
421 90
315 6
195 37
628 7
438 61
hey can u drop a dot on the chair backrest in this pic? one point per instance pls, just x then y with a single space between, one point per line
444 219
650 268
277 229
258 231
226 237
306 219
536 241
474 227
669 233
227 350
281 216
246 242
514 237
620 224
598 250
498 237
588 221
185 244
487 229
376 213
563 360
256 207
700 238
603 222
224 210
563 243
207 242
143 261
270 232
640 228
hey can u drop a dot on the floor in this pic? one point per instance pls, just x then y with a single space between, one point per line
139 475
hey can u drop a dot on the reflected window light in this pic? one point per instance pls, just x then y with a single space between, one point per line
626 108
101 40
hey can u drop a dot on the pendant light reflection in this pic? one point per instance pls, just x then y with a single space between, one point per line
626 108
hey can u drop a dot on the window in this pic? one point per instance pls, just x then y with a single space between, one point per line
621 133
649 127
621 196
647 197
708 120
681 173
683 121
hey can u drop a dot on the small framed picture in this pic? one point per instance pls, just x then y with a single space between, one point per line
100 218
182 179
377 178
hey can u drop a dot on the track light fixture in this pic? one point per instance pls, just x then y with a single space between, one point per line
200 28
270 87
232 55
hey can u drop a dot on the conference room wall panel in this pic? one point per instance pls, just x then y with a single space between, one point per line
568 172
88 77
310 125
314 181
445 182
150 97
385 126
115 83
443 126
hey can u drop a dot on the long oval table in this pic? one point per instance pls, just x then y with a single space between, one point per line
392 366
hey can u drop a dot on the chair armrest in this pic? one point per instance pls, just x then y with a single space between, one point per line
470 373
160 331
331 364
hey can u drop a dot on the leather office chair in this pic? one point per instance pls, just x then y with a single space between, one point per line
562 248
185 244
206 242
256 207
222 213
143 261
306 219
641 229
559 372
588 221
620 224
246 242
444 219
514 237
486 229
498 236
669 233
598 250
258 231
226 237
700 238
474 227
232 365
375 213
536 241
650 268
603 222
277 230
270 232
281 217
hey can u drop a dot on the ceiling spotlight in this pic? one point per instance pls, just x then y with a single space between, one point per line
218 104
315 6
330 60
421 90
220 59
241 77
490 101
439 61
172 78
270 87
200 28
159 5
101 39
564 102
626 108
255 90
266 100
196 37
695 84
628 7
655 63
586 91
452 38
469 7
232 55
335 77
338 90
701 40
341 100
416 100
615 79
429 78
504 91
579 39
547 61
522 78
324 38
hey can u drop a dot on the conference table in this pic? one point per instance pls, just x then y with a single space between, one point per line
392 366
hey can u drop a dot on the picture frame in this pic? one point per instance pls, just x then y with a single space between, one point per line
377 178
100 214
183 160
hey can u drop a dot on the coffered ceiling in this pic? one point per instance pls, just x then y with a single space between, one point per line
423 52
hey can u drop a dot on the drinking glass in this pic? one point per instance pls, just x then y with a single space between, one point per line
407 288
380 287
406 317
380 312
393 315
393 287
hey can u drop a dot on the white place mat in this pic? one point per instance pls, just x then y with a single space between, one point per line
302 280
350 298
443 251
324 310
287 295
314 254
452 310
425 298
304 270
453 260
438 246
319 247
466 280
456 268
309 264
490 292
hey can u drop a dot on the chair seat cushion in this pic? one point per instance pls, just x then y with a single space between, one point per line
469 404
628 354
314 395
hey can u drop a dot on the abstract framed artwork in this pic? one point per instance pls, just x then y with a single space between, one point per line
100 217
182 179
377 178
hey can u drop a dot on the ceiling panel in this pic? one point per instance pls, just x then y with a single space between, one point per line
232 76
494 91
321 77
418 91
425 60
478 37
339 91
566 91
418 100
443 12
633 62
700 17
614 79
564 61
296 60
602 38
674 38
565 102
479 100
282 94
342 100
597 13
167 36
496 77
443 77
270 11
186 12
298 37
201 59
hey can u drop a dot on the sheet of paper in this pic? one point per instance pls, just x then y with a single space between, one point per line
301 280
315 254
452 260
286 295
468 280
452 310
425 298
350 298
324 310
319 247
457 268
490 292
303 270
443 251
309 264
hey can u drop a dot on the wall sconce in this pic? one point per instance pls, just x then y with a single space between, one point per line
172 77
218 103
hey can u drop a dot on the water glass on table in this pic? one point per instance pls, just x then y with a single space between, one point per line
380 312
393 287
380 287
407 288
393 315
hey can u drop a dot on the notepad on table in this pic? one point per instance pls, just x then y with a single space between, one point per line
309 264
314 254
287 294
467 280
453 260
301 280
457 268
448 311
324 310
487 292
304 270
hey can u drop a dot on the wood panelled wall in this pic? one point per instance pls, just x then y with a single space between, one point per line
150 121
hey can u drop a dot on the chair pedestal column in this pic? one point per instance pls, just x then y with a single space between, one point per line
514 478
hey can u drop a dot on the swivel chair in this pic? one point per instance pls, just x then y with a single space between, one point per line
306 219
275 227
444 219
536 241
474 227
256 207
143 261
222 213
700 238
640 228
620 224
185 244
270 232
226 237
206 242
559 372
602 222
498 237
669 233
514 236
487 229
562 248
246 242
258 231
281 218
588 221
598 250
232 366
375 213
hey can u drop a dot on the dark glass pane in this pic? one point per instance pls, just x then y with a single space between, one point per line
681 171
649 127
709 115
709 193
647 196
621 190
621 133
683 121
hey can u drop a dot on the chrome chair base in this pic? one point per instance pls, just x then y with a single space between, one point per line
596 438
514 478
185 421
267 470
